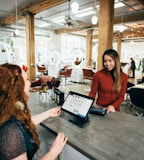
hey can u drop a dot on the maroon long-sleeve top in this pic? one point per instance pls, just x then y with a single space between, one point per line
102 85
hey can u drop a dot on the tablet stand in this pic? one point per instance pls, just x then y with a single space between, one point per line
78 121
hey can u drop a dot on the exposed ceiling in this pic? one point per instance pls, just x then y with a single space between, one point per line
131 15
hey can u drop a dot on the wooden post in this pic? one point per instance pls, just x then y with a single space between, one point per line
119 45
89 47
30 43
105 36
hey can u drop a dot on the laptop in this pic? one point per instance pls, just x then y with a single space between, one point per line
76 107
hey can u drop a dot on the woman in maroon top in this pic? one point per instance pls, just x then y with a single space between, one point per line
110 83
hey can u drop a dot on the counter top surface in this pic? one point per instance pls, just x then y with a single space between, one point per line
116 136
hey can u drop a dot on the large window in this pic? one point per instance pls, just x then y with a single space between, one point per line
71 43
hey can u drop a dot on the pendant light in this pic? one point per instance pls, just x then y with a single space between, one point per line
122 27
94 18
16 31
132 42
75 6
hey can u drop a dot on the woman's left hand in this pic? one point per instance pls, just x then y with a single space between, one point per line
110 108
54 112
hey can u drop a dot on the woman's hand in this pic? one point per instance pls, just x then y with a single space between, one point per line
56 147
54 112
110 108
58 144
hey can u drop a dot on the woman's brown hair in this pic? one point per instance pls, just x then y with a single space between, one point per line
11 92
116 73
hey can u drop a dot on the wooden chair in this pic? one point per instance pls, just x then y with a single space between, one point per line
41 69
88 74
66 73
137 99
129 85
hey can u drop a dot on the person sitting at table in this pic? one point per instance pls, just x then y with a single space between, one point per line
110 83
18 133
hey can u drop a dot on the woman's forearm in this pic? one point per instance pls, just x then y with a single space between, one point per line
37 119
53 112
50 156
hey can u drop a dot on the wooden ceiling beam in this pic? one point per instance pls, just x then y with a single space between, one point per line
141 2
86 27
128 34
62 31
34 7
41 5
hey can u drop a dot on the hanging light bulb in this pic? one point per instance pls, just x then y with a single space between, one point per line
94 19
75 7
121 28
17 32
132 42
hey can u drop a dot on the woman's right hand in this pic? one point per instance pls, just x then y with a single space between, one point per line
58 144
54 112
110 108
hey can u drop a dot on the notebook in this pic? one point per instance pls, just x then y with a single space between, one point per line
76 107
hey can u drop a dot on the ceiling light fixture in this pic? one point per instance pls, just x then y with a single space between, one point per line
94 18
16 31
132 42
122 27
75 6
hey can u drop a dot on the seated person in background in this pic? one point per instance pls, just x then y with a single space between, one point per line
19 138
110 83
44 79
77 61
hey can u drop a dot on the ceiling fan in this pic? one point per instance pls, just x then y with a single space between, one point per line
70 22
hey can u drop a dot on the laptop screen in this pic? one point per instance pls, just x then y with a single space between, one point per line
77 104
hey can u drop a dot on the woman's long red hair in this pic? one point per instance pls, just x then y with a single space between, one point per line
11 92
